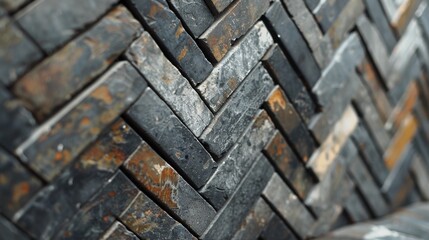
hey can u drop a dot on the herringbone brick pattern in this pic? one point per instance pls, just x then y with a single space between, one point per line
210 119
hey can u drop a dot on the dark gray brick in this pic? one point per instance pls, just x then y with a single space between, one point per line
235 66
9 231
290 208
290 39
169 83
237 162
367 187
356 208
234 117
219 5
17 185
119 232
17 52
233 24
78 183
149 221
255 221
101 211
282 72
169 30
195 14
312 4
52 82
421 177
151 116
158 177
277 230
55 144
327 12
241 201
52 22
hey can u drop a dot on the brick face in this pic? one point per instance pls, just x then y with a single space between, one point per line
210 119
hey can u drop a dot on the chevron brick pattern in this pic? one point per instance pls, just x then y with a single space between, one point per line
210 119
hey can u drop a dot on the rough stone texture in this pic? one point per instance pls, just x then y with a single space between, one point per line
290 39
17 186
180 45
170 85
241 201
288 205
290 124
55 144
55 80
291 168
234 67
17 52
78 183
237 162
277 230
356 208
327 12
120 232
282 72
159 178
150 115
65 19
149 221
255 221
10 231
219 5
232 25
230 122
195 14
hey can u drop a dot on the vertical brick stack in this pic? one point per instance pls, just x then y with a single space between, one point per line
210 119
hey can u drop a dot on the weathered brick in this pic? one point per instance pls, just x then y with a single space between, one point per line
151 116
169 30
241 201
233 24
345 21
60 140
52 83
356 208
16 122
411 72
322 124
12 5
65 19
17 52
255 221
119 232
376 48
195 14
327 12
310 30
370 154
403 15
236 65
290 123
378 17
365 183
291 168
282 72
421 177
335 76
400 141
149 221
277 230
10 231
17 185
325 221
167 81
290 208
231 121
325 155
312 4
236 163
158 177
219 5
78 183
101 211
291 40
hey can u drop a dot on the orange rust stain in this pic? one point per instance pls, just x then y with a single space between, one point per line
154 174
232 83
277 101
3 179
182 54
401 139
85 122
20 190
179 31
103 93
408 105
112 194
154 9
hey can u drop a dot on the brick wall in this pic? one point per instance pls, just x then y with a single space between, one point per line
210 119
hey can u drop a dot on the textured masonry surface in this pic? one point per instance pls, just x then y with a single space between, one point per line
210 119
